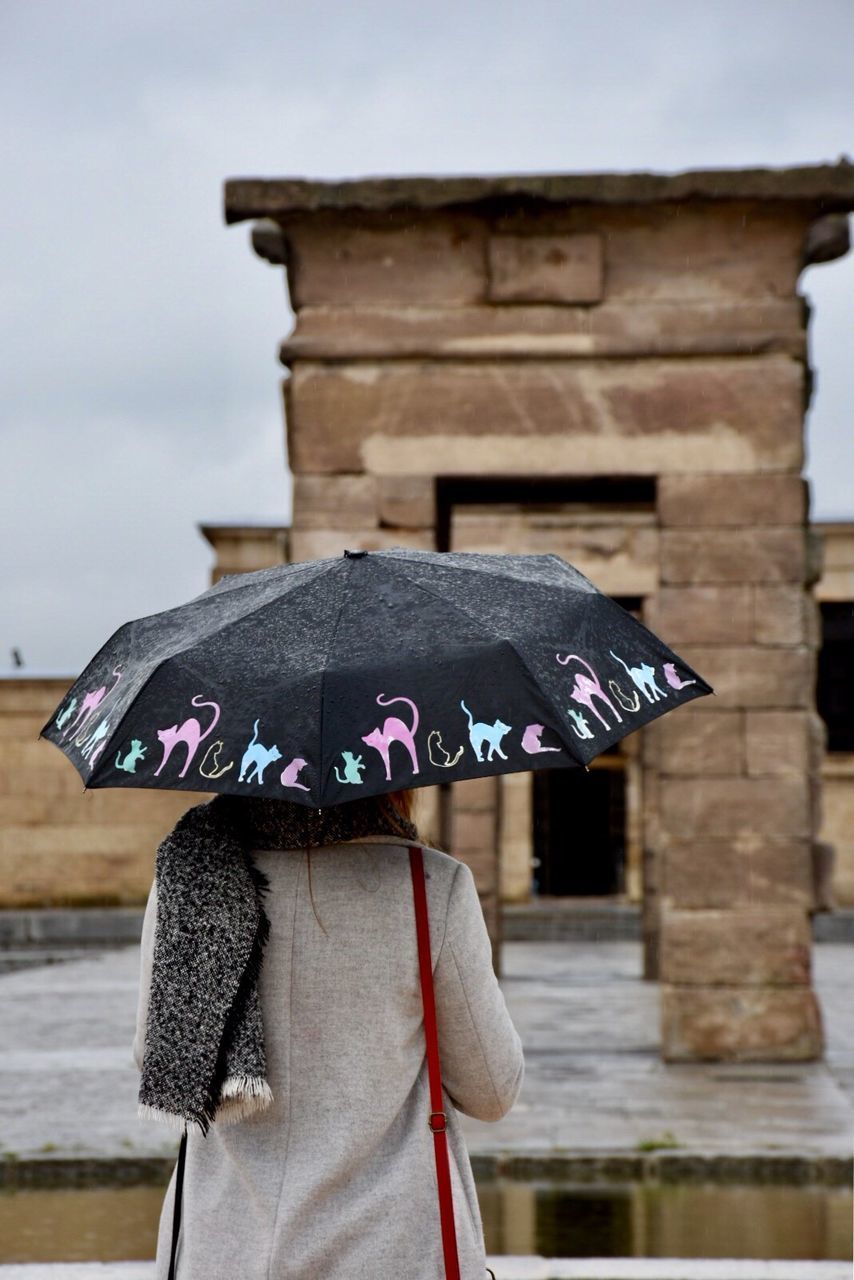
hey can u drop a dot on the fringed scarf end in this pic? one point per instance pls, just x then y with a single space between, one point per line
243 1096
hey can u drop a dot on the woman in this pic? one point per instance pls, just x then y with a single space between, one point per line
328 1171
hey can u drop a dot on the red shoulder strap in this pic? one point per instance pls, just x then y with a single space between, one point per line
437 1120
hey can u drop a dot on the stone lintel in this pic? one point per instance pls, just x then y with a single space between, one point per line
546 332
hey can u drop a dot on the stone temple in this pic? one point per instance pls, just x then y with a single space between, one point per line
613 368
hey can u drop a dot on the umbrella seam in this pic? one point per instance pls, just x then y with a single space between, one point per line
345 596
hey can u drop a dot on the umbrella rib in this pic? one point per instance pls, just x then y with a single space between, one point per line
345 596
450 604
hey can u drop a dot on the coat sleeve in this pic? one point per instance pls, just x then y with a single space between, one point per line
146 953
480 1050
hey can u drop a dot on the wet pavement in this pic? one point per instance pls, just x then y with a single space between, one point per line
594 1087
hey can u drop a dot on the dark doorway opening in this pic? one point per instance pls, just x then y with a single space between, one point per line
580 831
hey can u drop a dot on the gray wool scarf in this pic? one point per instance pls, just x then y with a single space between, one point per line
204 1046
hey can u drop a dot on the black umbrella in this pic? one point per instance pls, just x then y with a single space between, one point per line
332 679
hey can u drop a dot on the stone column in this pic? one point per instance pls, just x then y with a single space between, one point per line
737 777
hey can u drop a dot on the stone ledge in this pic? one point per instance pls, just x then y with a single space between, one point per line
828 187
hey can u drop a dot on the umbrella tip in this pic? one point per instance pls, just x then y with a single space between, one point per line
355 555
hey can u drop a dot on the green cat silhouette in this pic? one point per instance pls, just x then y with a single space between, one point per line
352 768
136 752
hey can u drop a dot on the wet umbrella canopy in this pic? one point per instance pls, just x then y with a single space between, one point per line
323 681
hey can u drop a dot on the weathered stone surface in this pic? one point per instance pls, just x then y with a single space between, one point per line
702 615
474 795
614 417
335 502
734 555
698 742
406 502
320 544
620 557
743 947
387 260
727 873
735 807
537 268
778 742
740 1024
837 827
743 501
755 677
837 578
246 548
783 615
638 327
37 696
829 187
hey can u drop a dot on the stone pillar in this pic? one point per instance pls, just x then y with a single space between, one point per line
737 782
590 327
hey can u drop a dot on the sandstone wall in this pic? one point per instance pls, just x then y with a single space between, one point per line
61 845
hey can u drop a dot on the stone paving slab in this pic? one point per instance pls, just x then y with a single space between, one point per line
513 1268
594 1083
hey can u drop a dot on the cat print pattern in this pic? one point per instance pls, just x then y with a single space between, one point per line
90 704
292 771
216 769
587 690
643 678
256 757
674 680
394 730
449 760
189 735
531 740
352 769
66 714
489 734
135 753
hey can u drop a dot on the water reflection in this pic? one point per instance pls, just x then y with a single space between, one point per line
548 1218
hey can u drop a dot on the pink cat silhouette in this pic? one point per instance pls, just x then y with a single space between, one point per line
90 705
291 772
586 688
394 730
531 740
674 680
190 734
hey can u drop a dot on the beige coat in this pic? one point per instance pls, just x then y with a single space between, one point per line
336 1180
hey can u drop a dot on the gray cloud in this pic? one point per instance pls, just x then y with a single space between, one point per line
138 335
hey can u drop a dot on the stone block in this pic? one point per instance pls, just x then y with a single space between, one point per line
728 873
335 502
755 677
386 259
538 268
778 742
636 328
406 502
547 417
740 1024
55 877
20 726
712 948
475 795
698 742
320 544
735 807
770 554
702 615
742 501
37 696
782 615
622 559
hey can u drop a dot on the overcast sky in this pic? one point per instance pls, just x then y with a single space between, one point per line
140 385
